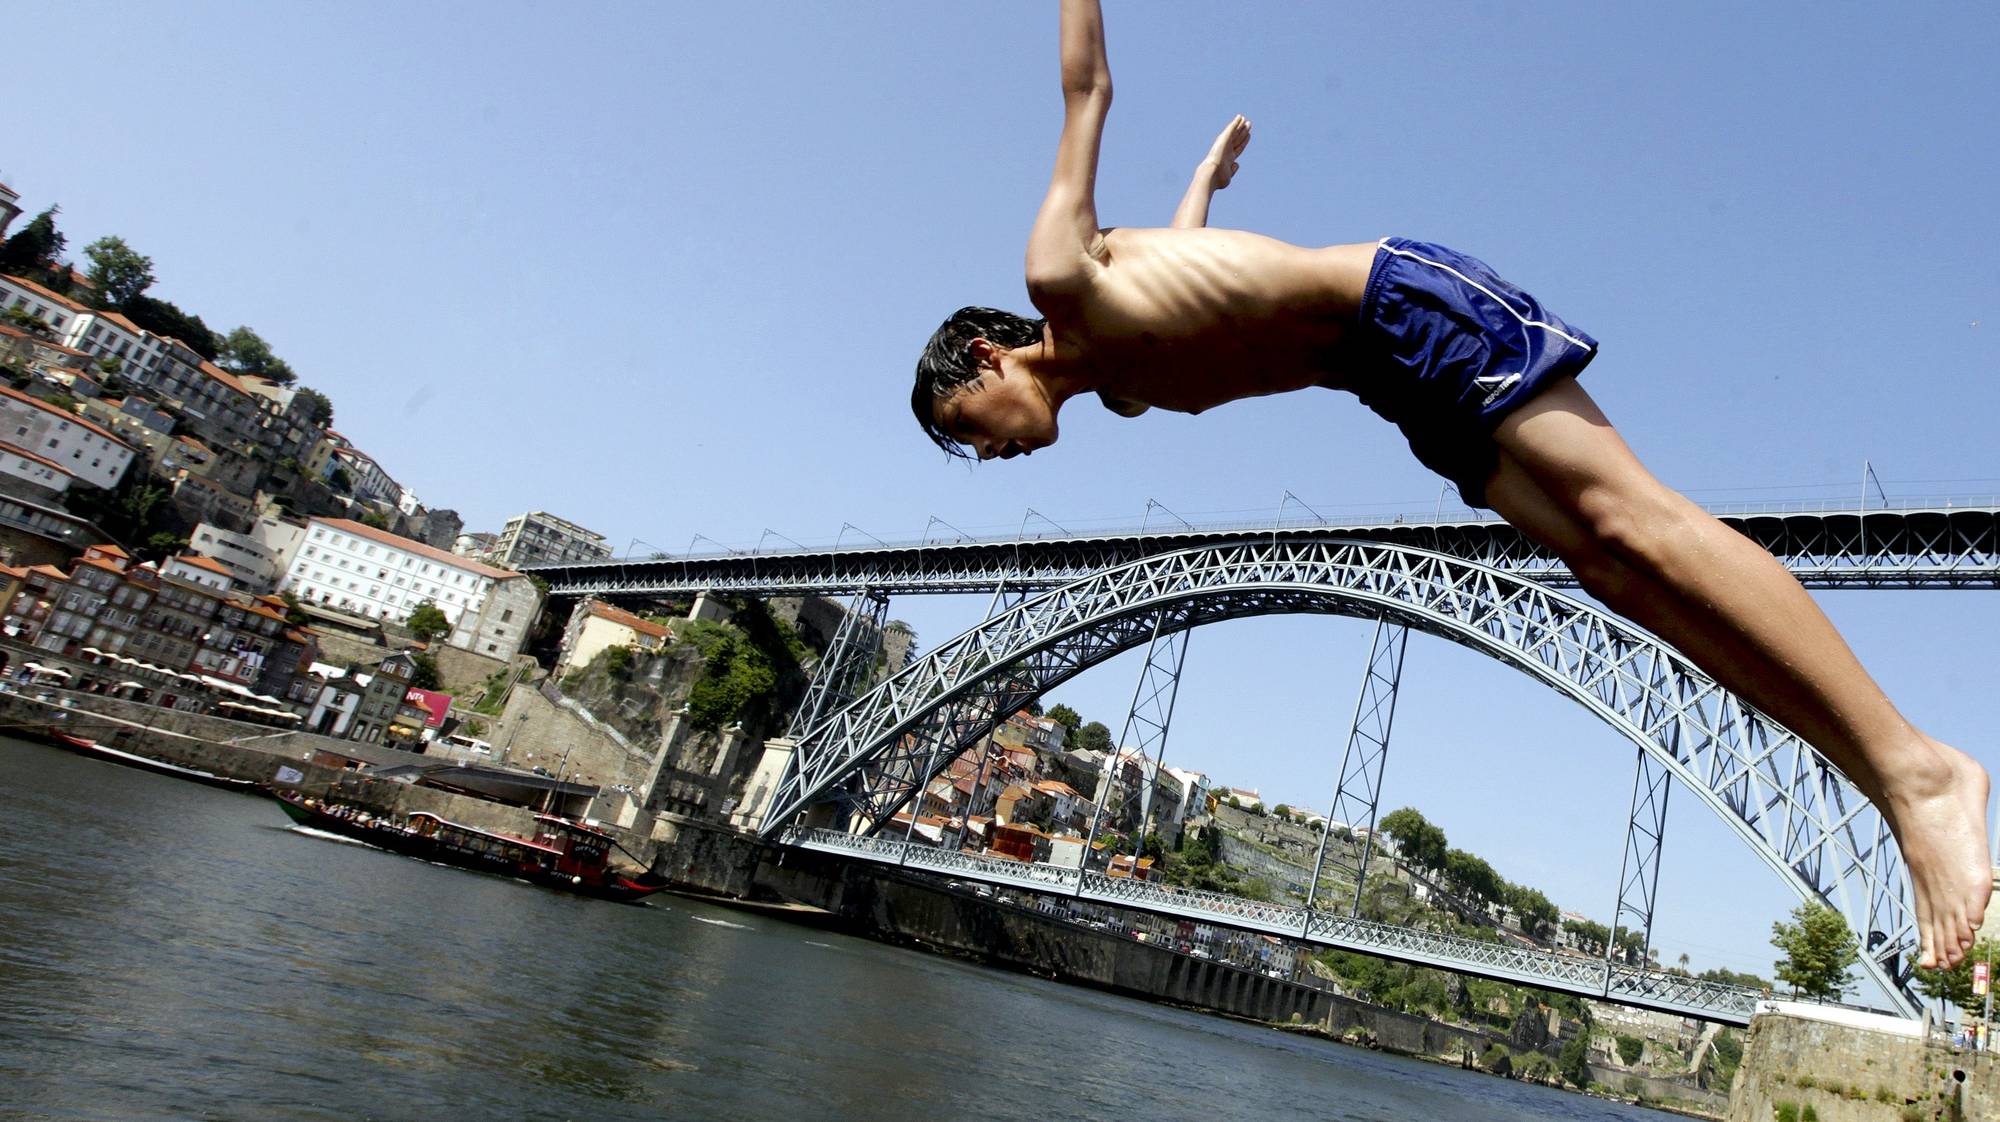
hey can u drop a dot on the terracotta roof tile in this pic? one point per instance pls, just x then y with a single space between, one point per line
209 563
46 293
224 376
624 618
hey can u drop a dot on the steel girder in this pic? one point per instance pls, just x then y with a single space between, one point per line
1905 548
1148 718
848 664
1588 977
1793 809
1357 793
1645 837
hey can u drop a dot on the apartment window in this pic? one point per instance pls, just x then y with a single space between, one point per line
506 615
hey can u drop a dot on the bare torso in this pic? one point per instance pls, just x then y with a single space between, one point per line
1186 319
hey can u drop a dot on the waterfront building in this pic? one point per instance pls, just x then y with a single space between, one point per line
253 565
241 641
29 351
541 538
366 480
339 695
45 304
85 449
31 476
595 626
80 614
383 715
170 632
109 336
35 597
373 573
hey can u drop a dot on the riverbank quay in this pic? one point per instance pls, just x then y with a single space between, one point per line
1841 1065
258 754
914 910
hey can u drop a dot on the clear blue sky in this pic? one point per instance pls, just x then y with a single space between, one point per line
664 269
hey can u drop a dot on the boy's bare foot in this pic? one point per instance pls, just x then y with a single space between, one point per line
1938 814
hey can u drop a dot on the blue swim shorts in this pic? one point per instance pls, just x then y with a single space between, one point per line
1449 349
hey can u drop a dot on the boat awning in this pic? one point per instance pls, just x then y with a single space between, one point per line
195 678
224 684
130 685
89 651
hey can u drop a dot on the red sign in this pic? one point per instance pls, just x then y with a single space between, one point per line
435 703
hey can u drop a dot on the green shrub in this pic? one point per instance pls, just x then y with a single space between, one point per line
1630 1048
1786 1111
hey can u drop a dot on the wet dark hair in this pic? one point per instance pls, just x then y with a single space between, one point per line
947 361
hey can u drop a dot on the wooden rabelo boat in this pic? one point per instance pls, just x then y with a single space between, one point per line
564 854
84 746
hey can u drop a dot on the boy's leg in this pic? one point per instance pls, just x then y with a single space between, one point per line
1568 480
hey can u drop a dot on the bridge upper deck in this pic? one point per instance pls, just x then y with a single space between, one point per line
1932 546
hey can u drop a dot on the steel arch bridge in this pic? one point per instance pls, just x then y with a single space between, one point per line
1791 807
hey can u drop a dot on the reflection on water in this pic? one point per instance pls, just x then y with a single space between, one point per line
172 951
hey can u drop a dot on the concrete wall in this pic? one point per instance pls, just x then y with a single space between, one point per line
1857 1072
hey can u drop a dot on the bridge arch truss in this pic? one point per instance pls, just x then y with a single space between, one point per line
1791 807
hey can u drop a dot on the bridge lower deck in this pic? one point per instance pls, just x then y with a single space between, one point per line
1584 977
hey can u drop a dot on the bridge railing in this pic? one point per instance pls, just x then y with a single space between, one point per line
1245 522
1530 966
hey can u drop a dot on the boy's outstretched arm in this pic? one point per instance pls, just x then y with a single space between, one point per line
1064 245
1213 173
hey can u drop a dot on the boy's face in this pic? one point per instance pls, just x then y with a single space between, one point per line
1003 413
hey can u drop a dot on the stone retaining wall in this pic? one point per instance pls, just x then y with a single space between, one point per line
1808 1061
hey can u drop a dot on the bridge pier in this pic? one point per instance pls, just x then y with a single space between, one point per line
1357 793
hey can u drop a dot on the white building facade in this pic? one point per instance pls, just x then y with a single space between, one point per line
85 450
359 569
541 538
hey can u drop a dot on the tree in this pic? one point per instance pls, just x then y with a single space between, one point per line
427 622
1420 843
1093 737
1819 950
118 273
1573 1063
294 615
245 352
376 519
163 318
1473 877
425 676
319 407
35 246
1063 715
1630 1048
162 545
1537 914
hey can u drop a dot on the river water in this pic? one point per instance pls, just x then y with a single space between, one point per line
172 951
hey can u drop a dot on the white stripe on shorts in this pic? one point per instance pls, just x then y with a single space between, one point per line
1525 321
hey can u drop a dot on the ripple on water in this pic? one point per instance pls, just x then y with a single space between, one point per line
229 967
